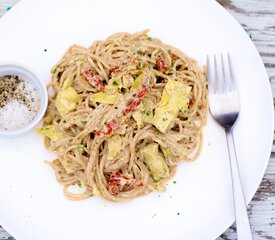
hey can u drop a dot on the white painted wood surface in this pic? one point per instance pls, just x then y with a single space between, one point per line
257 17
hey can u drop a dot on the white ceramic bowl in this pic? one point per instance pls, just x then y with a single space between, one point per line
24 72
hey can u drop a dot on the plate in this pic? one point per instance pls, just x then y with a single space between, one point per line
199 206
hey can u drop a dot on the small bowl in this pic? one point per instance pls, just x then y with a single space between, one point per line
24 73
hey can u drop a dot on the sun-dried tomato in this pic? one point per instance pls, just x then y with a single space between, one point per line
109 128
132 107
93 80
115 70
118 181
162 65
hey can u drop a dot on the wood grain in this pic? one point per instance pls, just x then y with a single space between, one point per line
258 20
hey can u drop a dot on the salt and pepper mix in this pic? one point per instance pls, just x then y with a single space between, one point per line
19 102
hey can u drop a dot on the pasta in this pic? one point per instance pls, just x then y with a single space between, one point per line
122 114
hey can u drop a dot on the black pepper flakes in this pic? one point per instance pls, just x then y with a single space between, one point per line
9 91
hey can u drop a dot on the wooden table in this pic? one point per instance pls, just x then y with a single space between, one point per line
258 19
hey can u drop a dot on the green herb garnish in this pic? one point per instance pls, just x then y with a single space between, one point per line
135 51
164 119
54 69
149 66
149 38
80 147
141 65
147 113
174 182
115 83
183 111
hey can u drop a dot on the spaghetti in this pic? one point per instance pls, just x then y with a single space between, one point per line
122 114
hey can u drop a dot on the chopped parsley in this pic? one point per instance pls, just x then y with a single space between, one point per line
147 113
183 111
134 77
149 66
174 182
140 65
170 73
149 38
164 119
54 69
135 51
115 83
80 147
79 184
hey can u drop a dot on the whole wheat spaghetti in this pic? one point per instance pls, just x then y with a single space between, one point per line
122 114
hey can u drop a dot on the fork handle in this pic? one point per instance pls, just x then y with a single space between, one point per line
242 222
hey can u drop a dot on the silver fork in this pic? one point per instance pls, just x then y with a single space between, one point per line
224 106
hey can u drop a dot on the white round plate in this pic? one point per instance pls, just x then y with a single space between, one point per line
199 205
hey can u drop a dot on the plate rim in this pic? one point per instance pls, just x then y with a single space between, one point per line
259 59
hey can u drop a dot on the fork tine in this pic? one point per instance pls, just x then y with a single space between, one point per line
210 79
224 75
217 78
230 69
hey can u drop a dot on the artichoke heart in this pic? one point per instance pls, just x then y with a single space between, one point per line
68 81
103 97
114 146
174 98
50 131
66 101
155 161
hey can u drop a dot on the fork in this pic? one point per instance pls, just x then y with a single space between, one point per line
225 107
